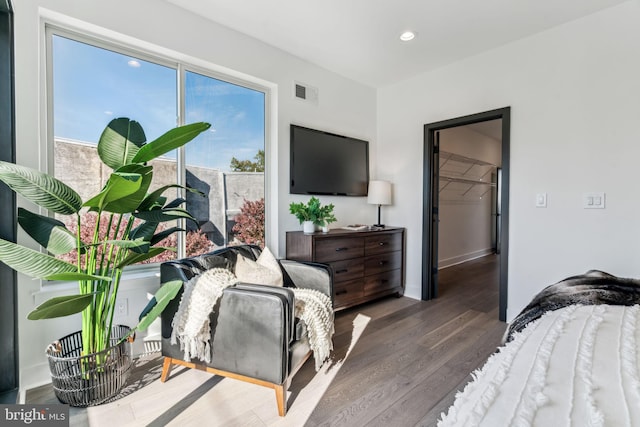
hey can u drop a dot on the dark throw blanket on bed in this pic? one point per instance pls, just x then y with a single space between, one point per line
592 288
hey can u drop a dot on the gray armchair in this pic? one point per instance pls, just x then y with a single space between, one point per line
254 334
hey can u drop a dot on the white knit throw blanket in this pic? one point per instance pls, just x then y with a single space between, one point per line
315 310
191 322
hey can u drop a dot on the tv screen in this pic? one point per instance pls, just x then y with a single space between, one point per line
325 163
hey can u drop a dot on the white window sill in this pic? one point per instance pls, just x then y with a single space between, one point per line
133 274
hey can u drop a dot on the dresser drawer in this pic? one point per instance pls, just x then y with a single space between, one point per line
347 270
382 281
347 292
327 250
380 263
382 243
365 264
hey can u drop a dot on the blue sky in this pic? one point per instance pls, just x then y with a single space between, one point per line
93 86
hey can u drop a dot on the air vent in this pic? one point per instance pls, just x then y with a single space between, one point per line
305 92
301 91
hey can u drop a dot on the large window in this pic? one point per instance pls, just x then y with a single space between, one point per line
93 83
212 162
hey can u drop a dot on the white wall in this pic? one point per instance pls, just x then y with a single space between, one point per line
575 96
465 211
344 107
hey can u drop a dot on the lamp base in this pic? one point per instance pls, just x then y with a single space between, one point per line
378 225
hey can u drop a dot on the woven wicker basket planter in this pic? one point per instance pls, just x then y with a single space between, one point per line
92 379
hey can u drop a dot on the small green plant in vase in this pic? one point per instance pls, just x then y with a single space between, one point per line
313 214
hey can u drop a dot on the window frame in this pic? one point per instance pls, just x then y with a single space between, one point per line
106 39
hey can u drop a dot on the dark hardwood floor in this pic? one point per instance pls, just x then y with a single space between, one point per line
414 355
403 368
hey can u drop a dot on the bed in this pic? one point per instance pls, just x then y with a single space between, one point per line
571 358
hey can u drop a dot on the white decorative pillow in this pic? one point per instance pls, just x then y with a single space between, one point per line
264 271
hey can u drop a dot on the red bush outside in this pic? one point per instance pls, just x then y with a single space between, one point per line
197 242
249 226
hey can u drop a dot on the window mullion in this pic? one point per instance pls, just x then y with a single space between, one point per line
180 159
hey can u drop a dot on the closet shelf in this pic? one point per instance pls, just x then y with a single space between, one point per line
455 168
466 181
446 156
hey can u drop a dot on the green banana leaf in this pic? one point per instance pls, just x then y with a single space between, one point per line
120 142
131 202
152 198
77 276
144 232
61 306
164 234
128 244
165 294
147 230
171 140
175 203
32 263
119 186
163 215
39 265
159 204
135 258
50 233
40 188
138 245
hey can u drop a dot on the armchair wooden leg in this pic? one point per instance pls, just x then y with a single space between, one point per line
281 398
166 368
281 389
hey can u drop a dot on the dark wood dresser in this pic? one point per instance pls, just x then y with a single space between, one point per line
366 264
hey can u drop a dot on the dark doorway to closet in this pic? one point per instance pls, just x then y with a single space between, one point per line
496 185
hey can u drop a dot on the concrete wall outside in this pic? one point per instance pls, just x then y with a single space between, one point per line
78 165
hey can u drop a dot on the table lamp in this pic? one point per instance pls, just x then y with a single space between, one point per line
379 194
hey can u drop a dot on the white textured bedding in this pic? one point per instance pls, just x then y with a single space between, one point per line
576 366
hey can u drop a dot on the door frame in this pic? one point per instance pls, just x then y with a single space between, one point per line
8 285
431 176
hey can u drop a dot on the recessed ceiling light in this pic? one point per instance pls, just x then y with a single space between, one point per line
407 35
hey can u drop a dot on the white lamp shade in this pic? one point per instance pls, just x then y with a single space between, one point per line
379 193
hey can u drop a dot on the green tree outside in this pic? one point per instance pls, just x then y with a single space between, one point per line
247 165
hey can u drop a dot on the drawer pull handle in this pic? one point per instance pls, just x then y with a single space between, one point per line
384 281
341 271
341 249
382 263
382 243
341 292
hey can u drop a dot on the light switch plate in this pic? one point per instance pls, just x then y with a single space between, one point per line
541 200
593 201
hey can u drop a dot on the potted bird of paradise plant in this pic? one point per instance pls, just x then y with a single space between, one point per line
85 366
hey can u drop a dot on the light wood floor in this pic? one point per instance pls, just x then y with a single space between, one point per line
396 362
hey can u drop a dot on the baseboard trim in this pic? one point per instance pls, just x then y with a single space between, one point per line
450 262
35 376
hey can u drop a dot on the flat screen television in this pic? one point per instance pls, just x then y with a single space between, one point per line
329 164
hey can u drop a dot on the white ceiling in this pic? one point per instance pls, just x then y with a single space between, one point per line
359 39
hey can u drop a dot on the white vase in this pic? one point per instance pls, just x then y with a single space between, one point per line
325 228
308 227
